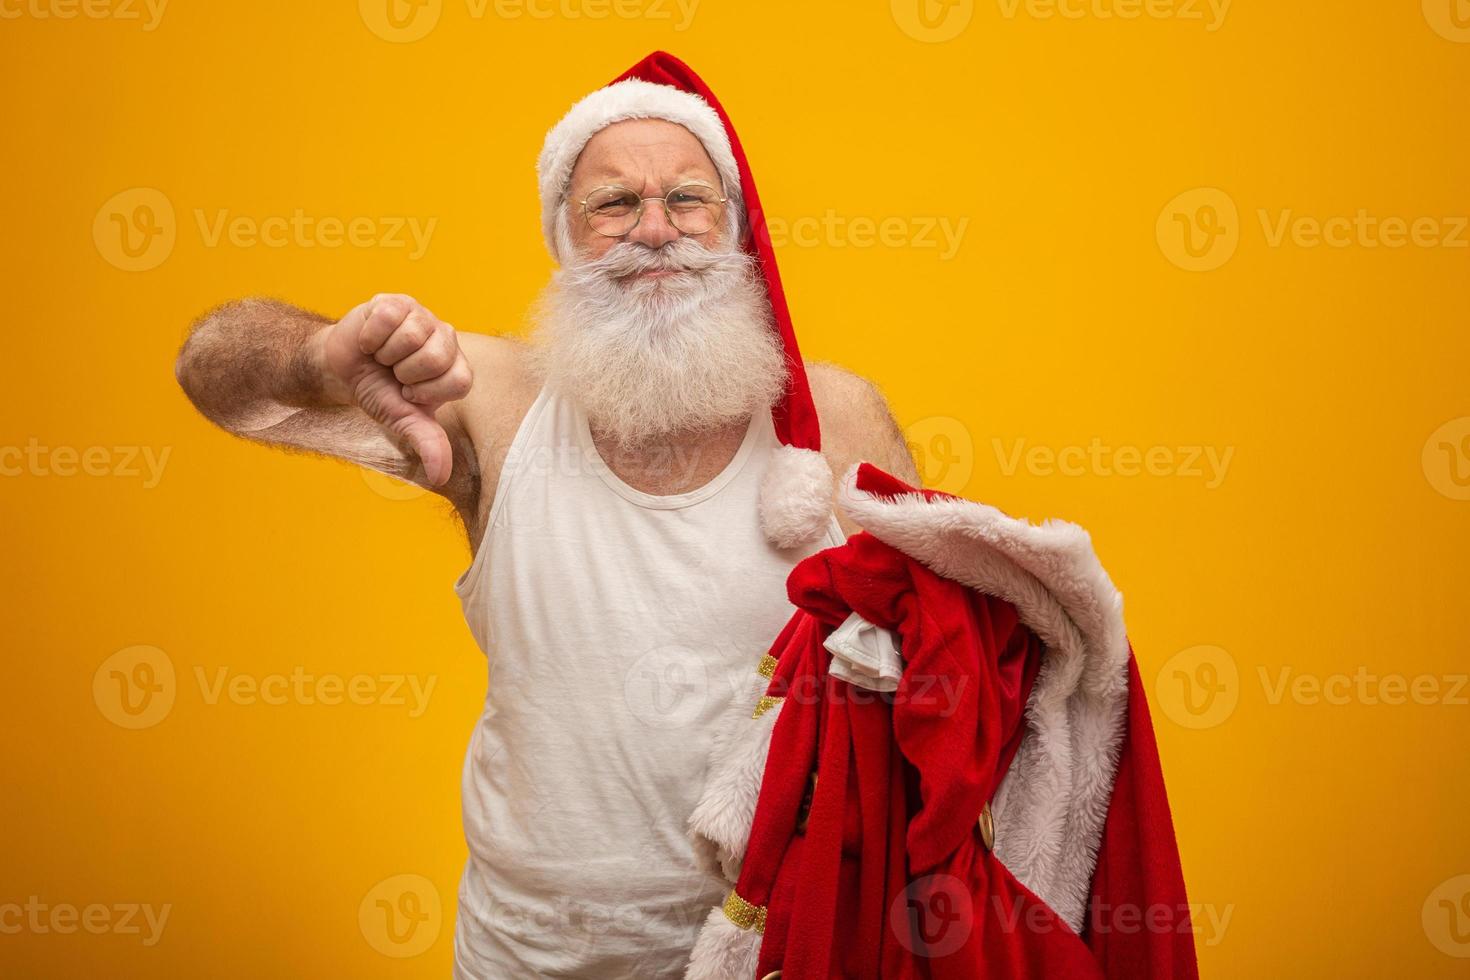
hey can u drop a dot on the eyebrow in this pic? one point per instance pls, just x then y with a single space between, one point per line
603 175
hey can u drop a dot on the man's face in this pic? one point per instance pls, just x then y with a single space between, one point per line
649 157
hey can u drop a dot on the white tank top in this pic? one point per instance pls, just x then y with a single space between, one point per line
617 625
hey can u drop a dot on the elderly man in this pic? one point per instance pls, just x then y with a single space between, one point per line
635 484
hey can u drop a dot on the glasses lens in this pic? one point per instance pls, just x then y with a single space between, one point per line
693 208
612 211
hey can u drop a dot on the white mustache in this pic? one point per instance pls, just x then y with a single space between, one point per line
681 256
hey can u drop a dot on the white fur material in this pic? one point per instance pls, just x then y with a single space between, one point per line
724 951
1050 808
795 496
628 99
720 824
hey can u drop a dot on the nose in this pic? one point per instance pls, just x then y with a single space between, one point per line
653 228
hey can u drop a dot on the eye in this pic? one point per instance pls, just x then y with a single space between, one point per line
691 196
612 202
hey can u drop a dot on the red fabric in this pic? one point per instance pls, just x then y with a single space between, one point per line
795 416
1139 924
890 878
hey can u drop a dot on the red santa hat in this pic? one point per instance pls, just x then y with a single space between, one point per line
796 493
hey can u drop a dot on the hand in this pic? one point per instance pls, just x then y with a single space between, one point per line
398 362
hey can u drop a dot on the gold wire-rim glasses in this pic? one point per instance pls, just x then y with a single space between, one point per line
718 211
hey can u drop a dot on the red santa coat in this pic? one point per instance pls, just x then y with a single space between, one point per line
999 813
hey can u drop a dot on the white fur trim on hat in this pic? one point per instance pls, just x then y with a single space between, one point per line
628 99
795 496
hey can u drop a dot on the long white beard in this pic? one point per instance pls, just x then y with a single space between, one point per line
648 357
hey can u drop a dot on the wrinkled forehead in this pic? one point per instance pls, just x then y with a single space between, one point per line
642 153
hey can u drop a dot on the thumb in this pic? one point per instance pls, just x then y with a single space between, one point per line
380 396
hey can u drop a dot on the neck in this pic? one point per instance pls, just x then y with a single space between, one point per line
674 463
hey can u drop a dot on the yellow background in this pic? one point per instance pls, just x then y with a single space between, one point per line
1332 835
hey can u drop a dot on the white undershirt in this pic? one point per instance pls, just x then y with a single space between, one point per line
616 625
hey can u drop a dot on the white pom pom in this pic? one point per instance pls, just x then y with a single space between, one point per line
795 496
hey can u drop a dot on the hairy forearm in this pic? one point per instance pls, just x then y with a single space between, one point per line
253 363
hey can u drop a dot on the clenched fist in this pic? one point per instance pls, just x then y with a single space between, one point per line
398 362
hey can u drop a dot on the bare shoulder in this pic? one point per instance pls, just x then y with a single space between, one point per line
857 423
857 426
504 389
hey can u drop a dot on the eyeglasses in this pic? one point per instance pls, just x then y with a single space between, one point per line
614 211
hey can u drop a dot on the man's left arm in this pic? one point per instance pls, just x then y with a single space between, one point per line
857 426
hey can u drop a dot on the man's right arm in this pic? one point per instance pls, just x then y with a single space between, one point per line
377 388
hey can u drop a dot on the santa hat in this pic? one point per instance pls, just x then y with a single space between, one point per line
796 493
